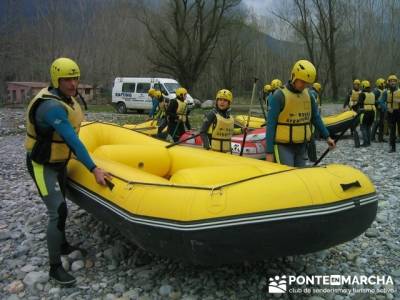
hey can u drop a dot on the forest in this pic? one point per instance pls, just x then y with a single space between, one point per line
204 44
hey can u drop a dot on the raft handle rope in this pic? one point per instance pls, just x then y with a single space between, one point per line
182 141
130 183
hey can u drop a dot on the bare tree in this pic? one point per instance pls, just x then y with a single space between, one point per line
327 29
185 39
300 19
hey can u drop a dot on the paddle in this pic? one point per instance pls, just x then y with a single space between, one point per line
260 99
182 141
337 139
248 116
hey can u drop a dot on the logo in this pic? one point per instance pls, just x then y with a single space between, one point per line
277 285
330 284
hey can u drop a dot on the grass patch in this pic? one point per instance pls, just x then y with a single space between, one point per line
101 108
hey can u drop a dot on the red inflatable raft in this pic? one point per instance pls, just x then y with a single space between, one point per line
254 146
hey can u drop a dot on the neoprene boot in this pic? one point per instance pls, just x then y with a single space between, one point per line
61 276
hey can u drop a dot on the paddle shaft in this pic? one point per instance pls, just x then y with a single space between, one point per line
184 140
337 139
262 107
248 116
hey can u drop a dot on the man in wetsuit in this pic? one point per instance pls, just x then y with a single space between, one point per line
391 101
53 120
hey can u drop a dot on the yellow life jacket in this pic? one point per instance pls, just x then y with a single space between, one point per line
52 148
369 101
393 100
221 133
354 97
181 110
295 118
161 112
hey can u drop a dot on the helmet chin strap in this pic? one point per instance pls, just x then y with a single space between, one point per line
79 95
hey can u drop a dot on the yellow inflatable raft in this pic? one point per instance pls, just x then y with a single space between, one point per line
149 127
211 208
255 122
339 122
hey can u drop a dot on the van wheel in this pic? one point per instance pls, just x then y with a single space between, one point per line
140 111
121 108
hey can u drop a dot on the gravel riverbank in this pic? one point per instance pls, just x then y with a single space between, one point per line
116 269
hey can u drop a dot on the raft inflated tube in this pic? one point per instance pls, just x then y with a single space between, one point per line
340 122
211 208
149 127
255 122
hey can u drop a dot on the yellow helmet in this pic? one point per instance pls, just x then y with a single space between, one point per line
365 84
157 94
63 68
392 77
267 88
356 81
304 70
380 82
224 94
150 92
180 92
317 86
276 83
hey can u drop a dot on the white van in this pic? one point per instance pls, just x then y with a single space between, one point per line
131 92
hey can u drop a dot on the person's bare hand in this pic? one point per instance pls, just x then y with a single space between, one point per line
331 143
101 175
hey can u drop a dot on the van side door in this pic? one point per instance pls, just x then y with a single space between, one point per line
142 89
128 92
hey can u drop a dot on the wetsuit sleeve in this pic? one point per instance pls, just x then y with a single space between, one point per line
171 110
313 95
208 120
154 106
57 118
276 104
377 94
316 118
382 101
187 123
347 100
269 101
360 102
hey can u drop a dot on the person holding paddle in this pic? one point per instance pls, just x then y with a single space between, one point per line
291 114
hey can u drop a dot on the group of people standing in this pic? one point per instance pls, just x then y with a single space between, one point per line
54 118
216 130
293 112
376 106
171 114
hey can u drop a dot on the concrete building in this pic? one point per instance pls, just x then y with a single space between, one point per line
20 93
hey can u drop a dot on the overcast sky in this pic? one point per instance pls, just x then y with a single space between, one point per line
261 7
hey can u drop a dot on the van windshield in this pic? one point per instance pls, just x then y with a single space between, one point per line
171 87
